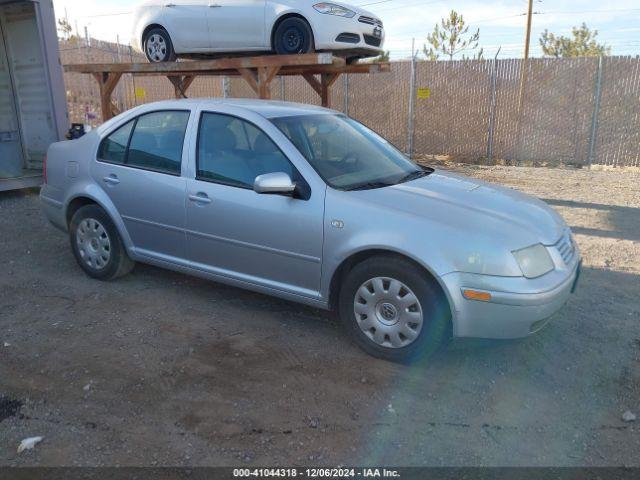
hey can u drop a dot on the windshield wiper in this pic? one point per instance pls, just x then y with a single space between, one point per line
414 175
368 186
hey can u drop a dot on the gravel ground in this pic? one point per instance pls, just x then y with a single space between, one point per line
162 369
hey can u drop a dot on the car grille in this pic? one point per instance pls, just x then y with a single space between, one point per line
370 21
371 40
566 248
348 38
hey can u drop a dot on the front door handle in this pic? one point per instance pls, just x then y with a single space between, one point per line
111 180
200 198
214 5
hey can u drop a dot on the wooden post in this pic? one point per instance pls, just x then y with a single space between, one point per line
260 79
322 87
250 77
265 77
181 84
327 80
107 81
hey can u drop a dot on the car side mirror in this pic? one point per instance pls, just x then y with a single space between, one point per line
278 183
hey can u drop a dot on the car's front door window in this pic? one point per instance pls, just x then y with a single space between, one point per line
234 152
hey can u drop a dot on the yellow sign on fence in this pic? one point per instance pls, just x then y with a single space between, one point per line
424 93
141 93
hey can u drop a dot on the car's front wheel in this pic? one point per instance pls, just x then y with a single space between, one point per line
158 47
97 245
393 310
293 36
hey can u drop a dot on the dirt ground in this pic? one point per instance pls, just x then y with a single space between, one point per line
162 369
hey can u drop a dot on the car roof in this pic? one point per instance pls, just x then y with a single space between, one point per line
265 108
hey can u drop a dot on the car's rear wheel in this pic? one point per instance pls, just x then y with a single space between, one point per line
393 310
158 47
97 245
292 36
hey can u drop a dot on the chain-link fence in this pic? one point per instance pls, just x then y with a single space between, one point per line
576 111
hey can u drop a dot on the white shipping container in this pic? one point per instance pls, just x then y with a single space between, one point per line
33 109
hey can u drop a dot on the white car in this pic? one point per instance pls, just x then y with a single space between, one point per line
167 29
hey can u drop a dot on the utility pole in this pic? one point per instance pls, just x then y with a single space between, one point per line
528 35
523 75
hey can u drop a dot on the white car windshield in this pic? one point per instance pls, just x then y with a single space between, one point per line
346 154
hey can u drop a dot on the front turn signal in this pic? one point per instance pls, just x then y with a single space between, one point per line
477 295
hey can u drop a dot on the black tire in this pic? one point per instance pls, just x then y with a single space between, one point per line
292 36
118 263
164 47
435 309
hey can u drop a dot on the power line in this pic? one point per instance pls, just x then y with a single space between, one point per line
105 15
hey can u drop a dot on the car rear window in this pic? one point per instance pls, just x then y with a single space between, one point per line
113 149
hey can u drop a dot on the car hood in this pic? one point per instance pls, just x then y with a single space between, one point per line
480 208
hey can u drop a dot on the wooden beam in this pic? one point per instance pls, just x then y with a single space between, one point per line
284 70
107 83
313 81
181 84
265 76
307 59
323 86
250 77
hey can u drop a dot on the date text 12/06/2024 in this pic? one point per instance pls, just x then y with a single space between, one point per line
315 473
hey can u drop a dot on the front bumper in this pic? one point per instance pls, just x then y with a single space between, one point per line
366 38
519 307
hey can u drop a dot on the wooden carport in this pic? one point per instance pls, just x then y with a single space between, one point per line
320 70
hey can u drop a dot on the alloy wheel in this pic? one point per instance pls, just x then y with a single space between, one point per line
157 48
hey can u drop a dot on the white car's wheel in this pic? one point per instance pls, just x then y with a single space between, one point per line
293 36
158 47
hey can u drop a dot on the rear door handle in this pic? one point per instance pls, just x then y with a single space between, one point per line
200 198
214 5
111 180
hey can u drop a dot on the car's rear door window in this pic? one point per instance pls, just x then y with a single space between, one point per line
157 141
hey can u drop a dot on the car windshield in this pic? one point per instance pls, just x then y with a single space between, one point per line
346 154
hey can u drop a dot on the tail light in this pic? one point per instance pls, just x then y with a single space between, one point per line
44 169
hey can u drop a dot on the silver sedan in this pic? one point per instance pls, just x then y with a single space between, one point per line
311 206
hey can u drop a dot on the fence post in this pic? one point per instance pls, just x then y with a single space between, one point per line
282 89
412 105
596 111
346 93
120 87
225 87
492 111
87 42
133 79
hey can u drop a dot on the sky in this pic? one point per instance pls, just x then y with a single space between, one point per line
501 22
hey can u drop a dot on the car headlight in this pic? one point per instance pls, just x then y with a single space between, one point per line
333 9
534 261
